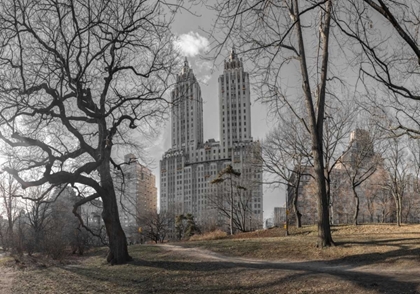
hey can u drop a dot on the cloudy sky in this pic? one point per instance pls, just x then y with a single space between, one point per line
193 43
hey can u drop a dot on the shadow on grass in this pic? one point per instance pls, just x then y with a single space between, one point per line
385 258
189 275
401 243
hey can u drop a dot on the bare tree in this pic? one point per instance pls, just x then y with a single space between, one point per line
286 157
377 186
274 35
9 192
373 188
228 179
155 226
77 78
385 38
38 213
339 123
287 153
359 163
414 184
398 167
3 233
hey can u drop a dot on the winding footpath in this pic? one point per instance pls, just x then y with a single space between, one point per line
375 278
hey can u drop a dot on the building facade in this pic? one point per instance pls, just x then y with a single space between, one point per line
358 168
190 165
279 216
137 197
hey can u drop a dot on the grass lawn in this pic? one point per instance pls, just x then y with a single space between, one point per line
370 244
158 270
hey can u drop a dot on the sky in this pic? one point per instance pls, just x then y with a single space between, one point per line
193 42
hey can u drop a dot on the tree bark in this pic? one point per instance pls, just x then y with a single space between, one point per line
298 219
328 186
399 210
324 230
231 207
118 251
316 121
298 215
10 235
356 206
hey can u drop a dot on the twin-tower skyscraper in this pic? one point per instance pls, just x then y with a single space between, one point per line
190 165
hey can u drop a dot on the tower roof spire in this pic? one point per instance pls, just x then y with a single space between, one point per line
232 55
186 66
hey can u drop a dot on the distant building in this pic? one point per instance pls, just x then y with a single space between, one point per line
279 216
360 150
190 165
376 204
300 183
137 199
269 223
62 203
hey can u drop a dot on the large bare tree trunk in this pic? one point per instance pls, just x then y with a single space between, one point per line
316 121
324 230
118 252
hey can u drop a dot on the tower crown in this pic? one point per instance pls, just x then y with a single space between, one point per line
186 71
233 62
186 66
232 55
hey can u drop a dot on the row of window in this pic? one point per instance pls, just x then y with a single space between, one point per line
232 78
233 106
233 131
234 124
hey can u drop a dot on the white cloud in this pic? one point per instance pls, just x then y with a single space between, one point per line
203 65
204 79
191 44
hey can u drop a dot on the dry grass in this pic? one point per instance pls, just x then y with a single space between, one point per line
214 235
157 270
376 244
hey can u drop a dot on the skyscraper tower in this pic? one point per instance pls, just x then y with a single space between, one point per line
190 165
234 103
187 112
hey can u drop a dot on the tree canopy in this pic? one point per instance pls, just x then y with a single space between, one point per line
75 78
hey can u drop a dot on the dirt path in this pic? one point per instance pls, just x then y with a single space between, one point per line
366 278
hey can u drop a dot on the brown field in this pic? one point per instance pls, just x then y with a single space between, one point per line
370 244
367 259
